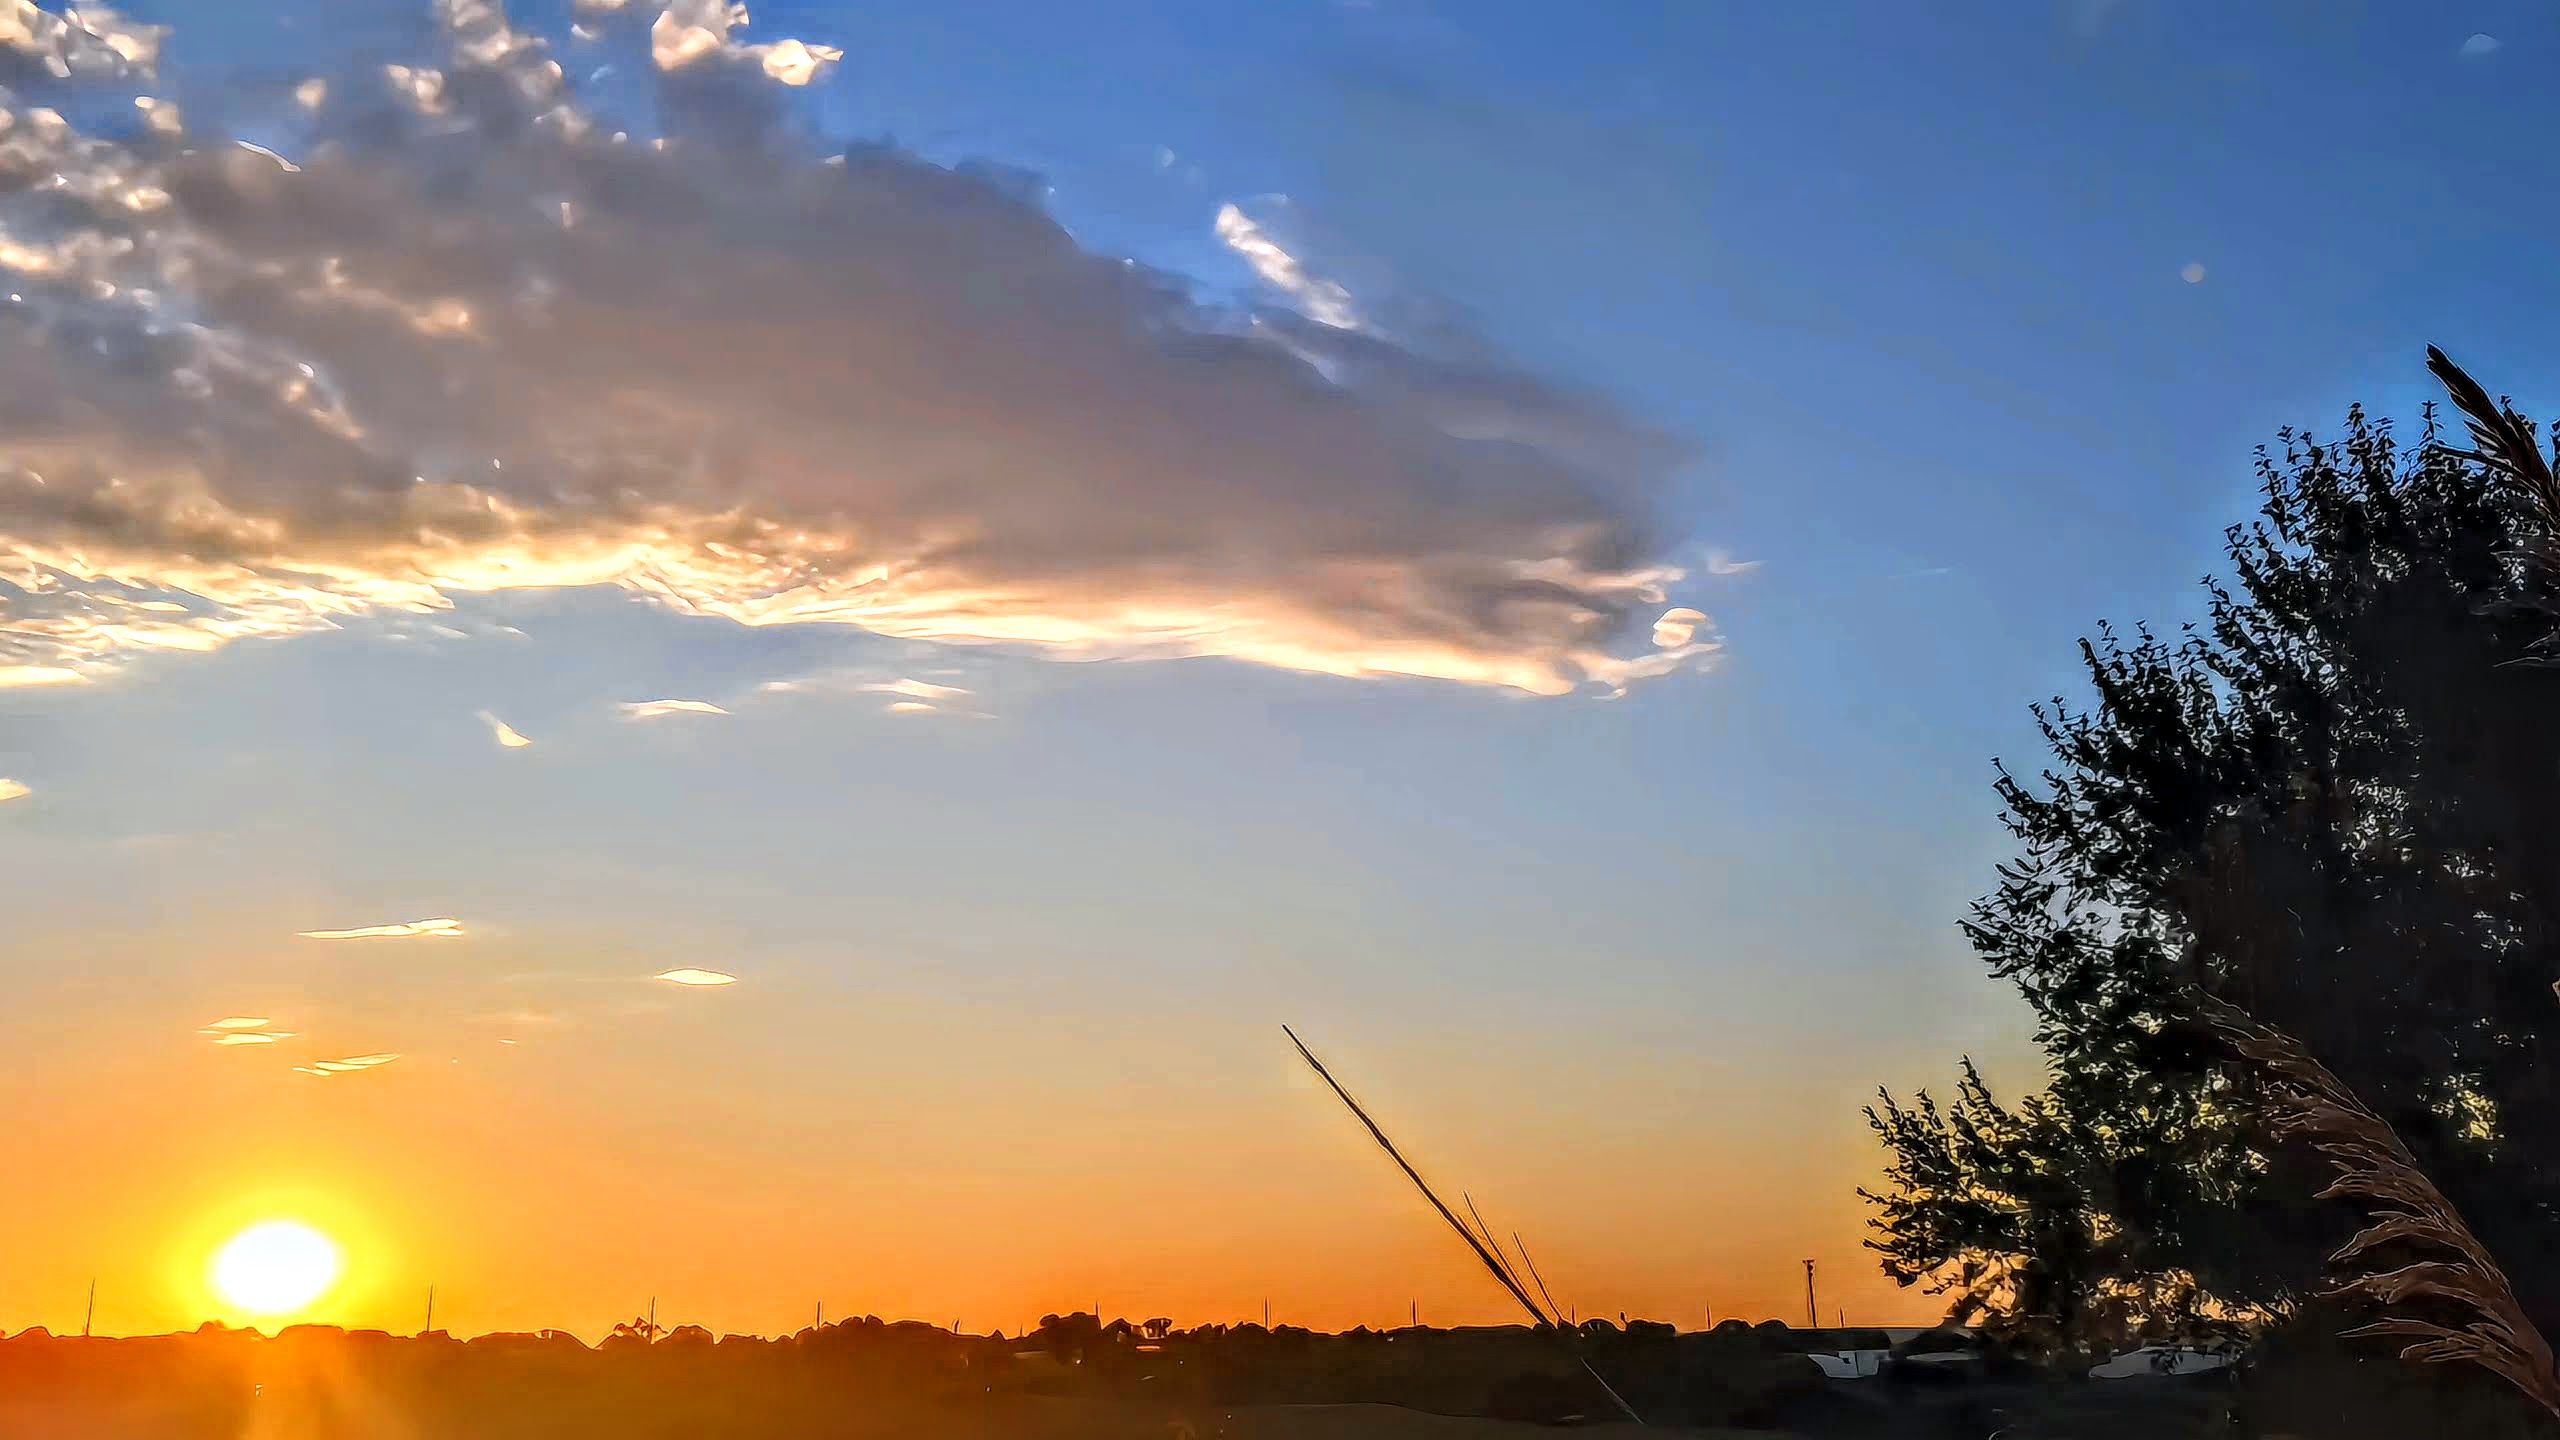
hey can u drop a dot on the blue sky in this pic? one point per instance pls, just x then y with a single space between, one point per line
1908 280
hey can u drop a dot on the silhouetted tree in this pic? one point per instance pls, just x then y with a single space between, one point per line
2073 1219
2333 802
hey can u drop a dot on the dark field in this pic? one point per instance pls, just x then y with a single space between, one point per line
863 1378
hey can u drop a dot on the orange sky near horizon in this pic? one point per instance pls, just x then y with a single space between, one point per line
566 1180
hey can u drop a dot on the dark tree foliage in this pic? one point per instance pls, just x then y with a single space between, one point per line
2335 802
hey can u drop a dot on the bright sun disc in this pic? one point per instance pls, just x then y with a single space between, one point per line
275 1268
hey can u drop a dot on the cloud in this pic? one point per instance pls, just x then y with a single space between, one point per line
93 40
16 676
1722 563
1678 628
689 976
651 709
504 733
917 689
1319 299
2192 272
688 32
488 336
865 680
445 928
252 1037
2479 45
349 1065
236 1022
914 696
12 790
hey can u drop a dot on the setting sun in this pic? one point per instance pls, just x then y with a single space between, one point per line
275 1268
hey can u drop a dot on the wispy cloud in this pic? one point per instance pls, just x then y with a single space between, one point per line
1320 299
12 790
918 689
1722 563
505 734
913 696
252 1037
271 400
14 677
2478 45
690 976
350 1064
442 928
236 1022
651 709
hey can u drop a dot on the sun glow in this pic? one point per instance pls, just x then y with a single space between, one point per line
275 1268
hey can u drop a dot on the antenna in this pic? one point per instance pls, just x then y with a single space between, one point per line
431 1312
653 1319
92 1312
1812 1317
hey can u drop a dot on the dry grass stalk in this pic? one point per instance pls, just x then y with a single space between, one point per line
2374 1168
1480 1238
2503 442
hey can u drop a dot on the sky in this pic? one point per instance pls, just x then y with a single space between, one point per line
1504 536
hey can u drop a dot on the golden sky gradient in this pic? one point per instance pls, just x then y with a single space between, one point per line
719 1157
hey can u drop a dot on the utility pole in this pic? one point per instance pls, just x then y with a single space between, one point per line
431 1312
1812 1317
653 1313
92 1312
822 1315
